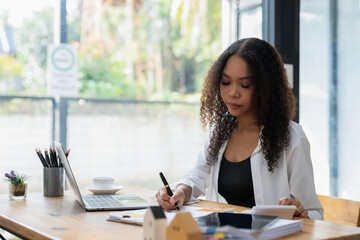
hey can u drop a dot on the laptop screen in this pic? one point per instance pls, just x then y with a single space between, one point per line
69 172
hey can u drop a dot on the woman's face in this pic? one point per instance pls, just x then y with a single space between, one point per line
236 87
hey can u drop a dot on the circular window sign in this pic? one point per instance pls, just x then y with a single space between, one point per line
63 58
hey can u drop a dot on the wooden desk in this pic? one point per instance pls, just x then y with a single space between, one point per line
40 217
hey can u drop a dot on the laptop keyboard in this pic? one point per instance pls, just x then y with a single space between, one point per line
102 201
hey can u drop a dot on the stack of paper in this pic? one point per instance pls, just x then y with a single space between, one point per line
281 227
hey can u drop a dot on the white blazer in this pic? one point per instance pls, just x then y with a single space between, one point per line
292 178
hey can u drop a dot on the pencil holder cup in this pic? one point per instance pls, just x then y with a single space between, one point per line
53 181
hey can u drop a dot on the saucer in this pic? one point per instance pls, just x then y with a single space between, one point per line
109 191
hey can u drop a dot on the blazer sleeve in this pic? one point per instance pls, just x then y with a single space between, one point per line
301 177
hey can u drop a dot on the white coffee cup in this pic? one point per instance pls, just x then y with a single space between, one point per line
103 182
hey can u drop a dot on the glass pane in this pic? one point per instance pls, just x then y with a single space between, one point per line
149 50
25 124
133 142
154 49
314 85
348 98
240 19
251 19
24 34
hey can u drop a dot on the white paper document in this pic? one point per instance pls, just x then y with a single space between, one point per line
137 216
281 228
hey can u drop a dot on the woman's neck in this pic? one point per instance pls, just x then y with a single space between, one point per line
248 123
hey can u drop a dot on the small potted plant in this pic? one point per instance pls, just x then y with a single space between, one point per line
17 185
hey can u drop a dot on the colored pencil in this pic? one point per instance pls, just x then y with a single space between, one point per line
47 157
42 160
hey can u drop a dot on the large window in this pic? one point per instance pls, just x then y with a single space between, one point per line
314 86
241 19
141 66
348 98
329 83
150 50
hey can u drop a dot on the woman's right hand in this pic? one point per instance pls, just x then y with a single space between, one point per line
168 202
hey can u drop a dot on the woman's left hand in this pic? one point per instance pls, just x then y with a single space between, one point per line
300 211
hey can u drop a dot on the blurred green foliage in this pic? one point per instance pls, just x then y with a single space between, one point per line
161 51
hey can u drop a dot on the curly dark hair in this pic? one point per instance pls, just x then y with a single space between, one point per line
273 102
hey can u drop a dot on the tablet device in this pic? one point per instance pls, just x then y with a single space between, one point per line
243 222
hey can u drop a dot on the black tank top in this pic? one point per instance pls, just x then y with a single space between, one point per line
235 182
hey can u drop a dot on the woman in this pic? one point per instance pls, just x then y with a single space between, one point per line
254 154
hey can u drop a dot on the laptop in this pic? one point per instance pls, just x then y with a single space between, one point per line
100 202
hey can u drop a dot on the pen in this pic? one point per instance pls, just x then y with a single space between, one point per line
169 192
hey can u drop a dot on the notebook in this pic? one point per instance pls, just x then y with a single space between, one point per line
283 211
100 202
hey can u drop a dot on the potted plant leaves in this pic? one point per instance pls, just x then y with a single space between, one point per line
17 185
